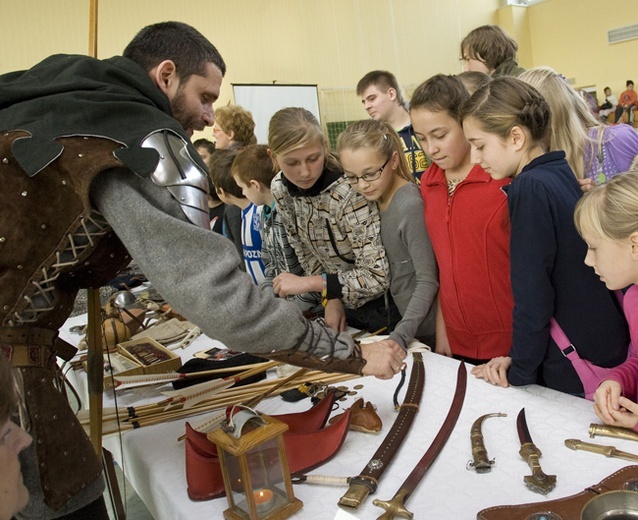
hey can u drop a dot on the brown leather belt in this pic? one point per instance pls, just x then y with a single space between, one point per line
366 482
28 355
28 346
625 479
27 336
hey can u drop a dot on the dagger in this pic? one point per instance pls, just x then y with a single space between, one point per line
607 451
538 481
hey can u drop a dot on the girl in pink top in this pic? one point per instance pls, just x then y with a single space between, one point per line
606 219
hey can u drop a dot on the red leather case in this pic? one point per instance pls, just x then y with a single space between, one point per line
203 471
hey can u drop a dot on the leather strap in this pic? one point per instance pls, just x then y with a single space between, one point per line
27 336
203 471
351 365
366 482
567 507
28 355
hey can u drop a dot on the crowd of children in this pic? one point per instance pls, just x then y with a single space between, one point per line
483 260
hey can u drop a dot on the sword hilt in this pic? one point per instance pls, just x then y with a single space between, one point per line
538 481
360 487
576 444
395 507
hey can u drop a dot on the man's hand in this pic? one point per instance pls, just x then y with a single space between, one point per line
494 371
384 359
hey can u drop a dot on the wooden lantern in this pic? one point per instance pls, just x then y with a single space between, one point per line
255 471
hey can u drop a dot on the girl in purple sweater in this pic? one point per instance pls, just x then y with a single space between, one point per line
606 219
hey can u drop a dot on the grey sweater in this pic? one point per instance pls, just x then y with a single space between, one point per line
199 273
414 281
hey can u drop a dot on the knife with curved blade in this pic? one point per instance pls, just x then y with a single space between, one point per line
538 481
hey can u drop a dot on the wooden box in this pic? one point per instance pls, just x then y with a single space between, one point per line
152 357
128 361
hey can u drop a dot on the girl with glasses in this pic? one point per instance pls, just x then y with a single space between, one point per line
466 218
362 147
333 229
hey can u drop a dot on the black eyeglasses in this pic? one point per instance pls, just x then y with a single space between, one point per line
367 177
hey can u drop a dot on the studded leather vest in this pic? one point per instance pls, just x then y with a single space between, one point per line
51 244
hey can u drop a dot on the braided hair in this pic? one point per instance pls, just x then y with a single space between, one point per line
506 102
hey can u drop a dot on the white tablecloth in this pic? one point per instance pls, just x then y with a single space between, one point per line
153 460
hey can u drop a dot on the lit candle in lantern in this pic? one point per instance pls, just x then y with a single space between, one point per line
263 500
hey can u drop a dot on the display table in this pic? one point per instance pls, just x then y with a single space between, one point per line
153 459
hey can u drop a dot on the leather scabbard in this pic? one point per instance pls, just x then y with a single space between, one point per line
396 506
366 482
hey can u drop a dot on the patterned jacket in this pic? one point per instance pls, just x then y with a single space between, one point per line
279 256
335 230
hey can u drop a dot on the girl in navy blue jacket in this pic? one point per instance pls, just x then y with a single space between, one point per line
507 123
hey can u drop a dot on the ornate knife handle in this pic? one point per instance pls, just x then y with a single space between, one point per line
575 444
481 462
538 481
531 454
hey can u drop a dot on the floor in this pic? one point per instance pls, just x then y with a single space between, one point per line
133 505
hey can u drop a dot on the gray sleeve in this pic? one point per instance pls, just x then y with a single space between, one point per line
420 312
198 273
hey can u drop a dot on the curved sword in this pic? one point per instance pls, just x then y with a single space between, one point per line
366 482
396 506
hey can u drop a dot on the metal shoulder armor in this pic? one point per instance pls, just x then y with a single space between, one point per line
179 173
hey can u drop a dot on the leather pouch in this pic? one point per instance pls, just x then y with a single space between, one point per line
203 471
568 508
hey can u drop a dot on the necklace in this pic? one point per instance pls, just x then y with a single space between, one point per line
452 184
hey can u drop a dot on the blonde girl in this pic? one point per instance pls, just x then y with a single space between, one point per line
333 229
371 154
507 123
593 150
606 219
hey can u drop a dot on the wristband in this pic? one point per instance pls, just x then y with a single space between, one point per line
324 289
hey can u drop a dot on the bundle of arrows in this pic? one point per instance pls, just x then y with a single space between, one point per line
205 397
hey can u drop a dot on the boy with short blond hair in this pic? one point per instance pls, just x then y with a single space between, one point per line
253 171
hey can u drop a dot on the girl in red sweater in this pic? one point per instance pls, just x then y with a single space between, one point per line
467 220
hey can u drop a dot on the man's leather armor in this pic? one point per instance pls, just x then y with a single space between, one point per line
52 243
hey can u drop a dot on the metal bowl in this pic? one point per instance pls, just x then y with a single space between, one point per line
613 505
